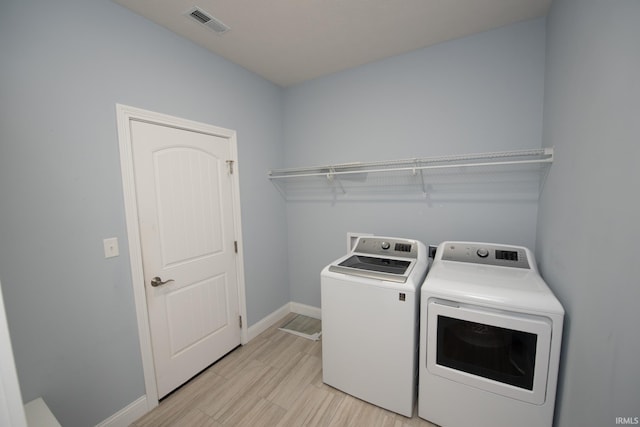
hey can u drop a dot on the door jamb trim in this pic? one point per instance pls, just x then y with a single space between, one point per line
125 114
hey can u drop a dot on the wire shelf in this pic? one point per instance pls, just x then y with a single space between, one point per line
512 174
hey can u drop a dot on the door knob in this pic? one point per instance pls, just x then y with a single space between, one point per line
156 281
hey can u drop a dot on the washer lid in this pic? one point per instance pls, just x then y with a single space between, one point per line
382 258
394 270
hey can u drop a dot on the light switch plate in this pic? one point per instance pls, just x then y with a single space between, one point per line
111 247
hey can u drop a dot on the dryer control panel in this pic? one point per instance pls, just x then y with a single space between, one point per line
486 253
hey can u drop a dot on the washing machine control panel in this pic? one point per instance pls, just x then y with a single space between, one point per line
387 246
485 253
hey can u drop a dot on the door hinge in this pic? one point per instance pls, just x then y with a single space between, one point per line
235 246
240 321
230 164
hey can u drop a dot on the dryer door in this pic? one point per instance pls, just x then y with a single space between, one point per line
499 351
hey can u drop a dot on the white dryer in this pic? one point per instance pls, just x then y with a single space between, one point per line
490 338
370 307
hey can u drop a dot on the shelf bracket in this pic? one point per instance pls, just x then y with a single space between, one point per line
424 188
331 176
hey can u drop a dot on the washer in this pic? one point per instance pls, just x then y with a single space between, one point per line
370 306
490 337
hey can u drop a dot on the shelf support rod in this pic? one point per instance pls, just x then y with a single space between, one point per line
335 173
472 160
331 176
424 188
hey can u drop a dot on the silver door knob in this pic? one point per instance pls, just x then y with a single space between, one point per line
156 281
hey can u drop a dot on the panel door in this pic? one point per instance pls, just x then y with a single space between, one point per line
185 211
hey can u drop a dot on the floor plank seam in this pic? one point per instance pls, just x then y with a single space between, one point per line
274 380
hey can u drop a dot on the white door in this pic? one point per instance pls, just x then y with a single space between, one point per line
186 222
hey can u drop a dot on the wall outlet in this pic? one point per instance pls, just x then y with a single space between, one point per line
111 247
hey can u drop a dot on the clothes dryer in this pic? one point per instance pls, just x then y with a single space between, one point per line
490 338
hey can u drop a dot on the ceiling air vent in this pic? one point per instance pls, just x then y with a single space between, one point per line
206 19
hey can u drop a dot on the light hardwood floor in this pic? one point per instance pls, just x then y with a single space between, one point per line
274 380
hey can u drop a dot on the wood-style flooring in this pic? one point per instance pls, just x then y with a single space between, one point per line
274 380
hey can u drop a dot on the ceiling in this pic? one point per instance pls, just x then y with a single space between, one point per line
291 41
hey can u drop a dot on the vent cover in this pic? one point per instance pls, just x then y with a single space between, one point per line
206 19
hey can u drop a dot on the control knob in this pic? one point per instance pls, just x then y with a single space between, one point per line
482 252
385 245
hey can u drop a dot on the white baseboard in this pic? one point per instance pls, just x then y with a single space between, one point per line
306 310
127 415
39 414
138 408
273 318
268 321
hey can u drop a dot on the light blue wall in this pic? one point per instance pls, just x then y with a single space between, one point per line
65 64
477 94
71 311
588 232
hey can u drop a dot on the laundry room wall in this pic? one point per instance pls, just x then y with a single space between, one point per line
65 64
588 233
481 93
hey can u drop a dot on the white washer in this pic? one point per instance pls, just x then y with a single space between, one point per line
490 337
370 306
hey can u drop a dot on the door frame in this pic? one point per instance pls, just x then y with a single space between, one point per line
11 405
126 114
